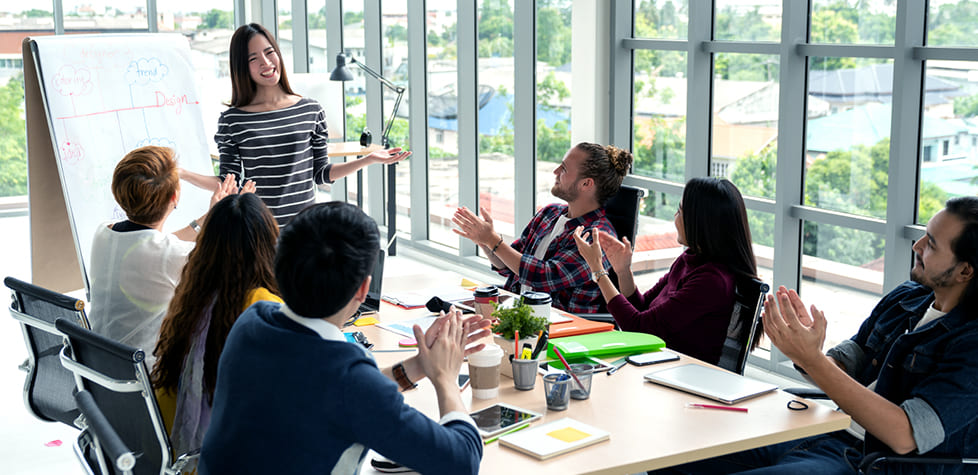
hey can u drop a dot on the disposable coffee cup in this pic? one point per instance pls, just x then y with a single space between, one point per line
539 303
484 297
484 371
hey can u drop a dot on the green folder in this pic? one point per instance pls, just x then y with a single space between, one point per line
604 343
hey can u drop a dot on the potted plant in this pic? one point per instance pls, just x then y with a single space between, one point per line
509 320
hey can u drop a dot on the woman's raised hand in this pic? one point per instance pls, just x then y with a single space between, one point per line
387 156
619 252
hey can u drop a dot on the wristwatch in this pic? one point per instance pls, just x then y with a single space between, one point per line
400 375
597 275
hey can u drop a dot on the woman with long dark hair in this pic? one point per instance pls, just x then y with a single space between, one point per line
231 267
272 135
690 306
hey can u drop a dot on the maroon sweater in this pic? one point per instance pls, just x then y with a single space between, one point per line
689 307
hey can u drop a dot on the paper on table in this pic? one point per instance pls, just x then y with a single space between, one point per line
405 327
554 438
420 297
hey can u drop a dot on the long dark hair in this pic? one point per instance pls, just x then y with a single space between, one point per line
243 88
235 253
715 224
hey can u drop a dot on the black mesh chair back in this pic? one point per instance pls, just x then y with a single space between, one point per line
116 377
49 387
742 331
622 211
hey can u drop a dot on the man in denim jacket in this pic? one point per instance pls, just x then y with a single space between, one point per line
910 375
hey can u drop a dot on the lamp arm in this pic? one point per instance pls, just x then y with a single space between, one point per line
377 76
390 122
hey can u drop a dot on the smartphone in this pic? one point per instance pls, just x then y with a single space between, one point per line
463 382
652 358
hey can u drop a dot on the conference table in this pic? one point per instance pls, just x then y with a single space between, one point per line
650 425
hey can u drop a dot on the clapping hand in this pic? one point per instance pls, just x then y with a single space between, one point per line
619 253
798 334
590 251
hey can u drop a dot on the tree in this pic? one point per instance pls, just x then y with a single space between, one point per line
217 19
966 106
352 18
35 13
496 20
13 138
553 37
396 33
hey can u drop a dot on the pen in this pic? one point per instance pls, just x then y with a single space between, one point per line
713 406
567 367
616 365
541 343
493 439
516 349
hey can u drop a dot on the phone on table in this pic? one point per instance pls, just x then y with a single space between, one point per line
643 359
500 417
463 382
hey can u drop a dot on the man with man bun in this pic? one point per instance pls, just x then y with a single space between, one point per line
545 257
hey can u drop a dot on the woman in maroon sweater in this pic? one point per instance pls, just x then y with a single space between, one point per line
690 306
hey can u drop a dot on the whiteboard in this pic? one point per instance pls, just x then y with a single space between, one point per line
108 94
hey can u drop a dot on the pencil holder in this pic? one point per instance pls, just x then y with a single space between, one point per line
583 373
524 374
556 387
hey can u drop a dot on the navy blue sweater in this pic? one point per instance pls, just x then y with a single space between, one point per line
289 401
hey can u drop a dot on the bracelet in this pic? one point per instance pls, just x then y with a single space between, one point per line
195 226
400 375
500 243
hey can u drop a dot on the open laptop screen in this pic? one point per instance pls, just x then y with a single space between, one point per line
372 303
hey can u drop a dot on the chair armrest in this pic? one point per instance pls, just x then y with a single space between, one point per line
874 458
807 393
120 456
185 462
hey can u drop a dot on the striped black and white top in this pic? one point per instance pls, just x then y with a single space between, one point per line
283 151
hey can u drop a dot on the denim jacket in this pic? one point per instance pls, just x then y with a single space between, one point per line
931 372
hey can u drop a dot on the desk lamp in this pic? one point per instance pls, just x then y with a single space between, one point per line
341 73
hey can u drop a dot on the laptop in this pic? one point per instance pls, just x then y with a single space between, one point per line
372 303
710 382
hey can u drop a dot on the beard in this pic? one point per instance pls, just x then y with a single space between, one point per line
566 195
941 280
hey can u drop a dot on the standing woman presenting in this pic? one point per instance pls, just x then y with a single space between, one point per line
273 136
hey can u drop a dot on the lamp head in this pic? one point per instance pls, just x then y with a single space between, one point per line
341 73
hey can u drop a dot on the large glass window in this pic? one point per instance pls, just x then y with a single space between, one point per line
394 67
496 163
847 135
952 23
849 22
554 84
739 20
442 121
949 140
662 19
82 16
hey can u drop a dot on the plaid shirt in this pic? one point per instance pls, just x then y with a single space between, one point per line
563 273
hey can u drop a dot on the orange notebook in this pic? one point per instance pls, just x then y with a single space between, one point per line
577 326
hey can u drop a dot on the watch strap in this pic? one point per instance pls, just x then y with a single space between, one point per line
400 375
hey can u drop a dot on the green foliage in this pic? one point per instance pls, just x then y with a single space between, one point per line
966 106
749 26
554 35
952 24
13 138
517 318
352 18
496 20
396 33
36 13
217 19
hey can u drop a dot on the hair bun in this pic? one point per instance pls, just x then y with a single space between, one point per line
621 159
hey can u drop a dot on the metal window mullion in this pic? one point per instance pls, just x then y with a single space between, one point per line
269 16
699 74
654 184
620 112
58 12
791 151
300 37
664 45
524 112
373 58
239 13
905 135
468 113
339 190
744 47
950 54
846 51
836 218
418 118
152 20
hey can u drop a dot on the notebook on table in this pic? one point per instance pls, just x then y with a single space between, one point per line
554 438
710 382
578 326
605 343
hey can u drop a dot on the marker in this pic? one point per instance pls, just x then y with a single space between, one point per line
713 406
616 365
527 353
493 439
541 343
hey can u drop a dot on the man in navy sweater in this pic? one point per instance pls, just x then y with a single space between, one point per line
293 396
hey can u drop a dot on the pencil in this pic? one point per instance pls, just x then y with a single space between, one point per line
713 406
493 439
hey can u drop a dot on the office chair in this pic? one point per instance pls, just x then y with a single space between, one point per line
744 323
116 376
49 386
622 210
102 438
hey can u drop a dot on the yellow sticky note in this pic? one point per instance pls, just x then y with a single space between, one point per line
568 434
468 283
364 321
